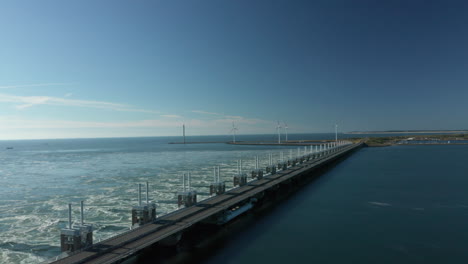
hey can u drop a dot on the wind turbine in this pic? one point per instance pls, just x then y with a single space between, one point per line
336 132
233 131
286 130
278 128
183 131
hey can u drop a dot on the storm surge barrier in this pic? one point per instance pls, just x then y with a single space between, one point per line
169 229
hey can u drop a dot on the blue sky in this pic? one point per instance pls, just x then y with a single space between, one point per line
142 68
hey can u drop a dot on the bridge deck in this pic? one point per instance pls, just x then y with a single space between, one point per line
127 244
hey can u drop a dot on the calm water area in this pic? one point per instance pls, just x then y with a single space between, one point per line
399 204
405 204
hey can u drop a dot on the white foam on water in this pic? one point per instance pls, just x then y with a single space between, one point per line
7 256
35 209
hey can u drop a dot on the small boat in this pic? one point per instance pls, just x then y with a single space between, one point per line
9 148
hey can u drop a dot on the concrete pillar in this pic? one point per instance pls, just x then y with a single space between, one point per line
240 179
70 240
187 198
217 188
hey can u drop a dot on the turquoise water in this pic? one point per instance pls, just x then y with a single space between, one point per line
400 204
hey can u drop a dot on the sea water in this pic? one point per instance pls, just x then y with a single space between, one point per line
399 204
38 178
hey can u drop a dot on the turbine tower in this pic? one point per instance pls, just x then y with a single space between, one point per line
278 128
286 130
336 132
183 131
233 131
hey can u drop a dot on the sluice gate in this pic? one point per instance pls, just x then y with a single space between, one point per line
219 209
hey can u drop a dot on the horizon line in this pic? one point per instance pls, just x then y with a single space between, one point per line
113 137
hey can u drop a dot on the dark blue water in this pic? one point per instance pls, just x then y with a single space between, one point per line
401 204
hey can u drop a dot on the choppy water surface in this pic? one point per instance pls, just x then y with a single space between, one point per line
38 178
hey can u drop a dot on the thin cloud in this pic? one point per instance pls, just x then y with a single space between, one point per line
234 117
242 120
30 101
205 112
171 116
14 123
33 85
15 127
22 123
231 118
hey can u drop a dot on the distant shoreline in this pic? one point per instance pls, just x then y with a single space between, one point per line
451 138
200 142
407 132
